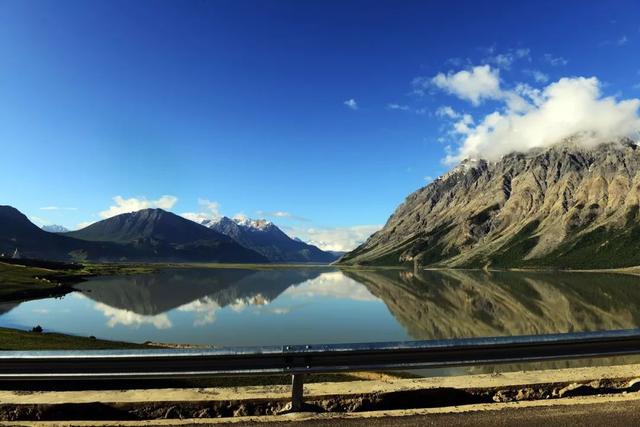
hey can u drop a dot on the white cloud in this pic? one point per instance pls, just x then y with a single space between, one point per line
57 208
333 285
135 204
474 85
209 210
117 317
540 118
554 61
351 103
204 310
334 239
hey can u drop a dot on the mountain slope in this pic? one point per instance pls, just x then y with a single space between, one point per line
565 206
17 232
163 235
266 238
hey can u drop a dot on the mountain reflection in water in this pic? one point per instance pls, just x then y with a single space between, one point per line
324 305
463 303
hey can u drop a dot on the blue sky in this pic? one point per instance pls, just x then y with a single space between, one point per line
322 116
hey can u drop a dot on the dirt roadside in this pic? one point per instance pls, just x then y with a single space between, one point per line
323 399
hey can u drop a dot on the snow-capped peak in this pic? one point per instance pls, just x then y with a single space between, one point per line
241 221
258 224
55 228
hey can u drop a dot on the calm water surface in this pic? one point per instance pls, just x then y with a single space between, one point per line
322 305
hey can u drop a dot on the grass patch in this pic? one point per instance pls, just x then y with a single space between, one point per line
21 282
513 252
12 339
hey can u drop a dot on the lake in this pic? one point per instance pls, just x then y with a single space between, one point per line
246 307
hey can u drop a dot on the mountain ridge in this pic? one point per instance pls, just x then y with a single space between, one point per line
18 232
269 240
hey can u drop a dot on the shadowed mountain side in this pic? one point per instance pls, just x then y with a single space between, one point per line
460 304
152 294
158 234
150 235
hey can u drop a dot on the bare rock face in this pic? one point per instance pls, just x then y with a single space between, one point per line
564 206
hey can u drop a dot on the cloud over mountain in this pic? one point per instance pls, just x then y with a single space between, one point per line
528 117
133 204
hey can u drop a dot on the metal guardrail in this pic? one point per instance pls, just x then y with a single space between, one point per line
298 360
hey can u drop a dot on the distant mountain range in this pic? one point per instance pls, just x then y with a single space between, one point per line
572 205
152 235
267 239
54 228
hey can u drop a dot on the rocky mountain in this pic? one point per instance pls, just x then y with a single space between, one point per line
267 239
54 228
162 235
566 206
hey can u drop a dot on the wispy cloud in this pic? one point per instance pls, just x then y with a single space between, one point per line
351 104
400 107
537 75
447 111
506 59
57 208
281 214
623 40
134 204
554 61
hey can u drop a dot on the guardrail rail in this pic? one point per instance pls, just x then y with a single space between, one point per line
298 360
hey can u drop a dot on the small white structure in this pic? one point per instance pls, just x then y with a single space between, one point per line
16 254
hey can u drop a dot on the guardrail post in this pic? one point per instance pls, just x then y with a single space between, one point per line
297 392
